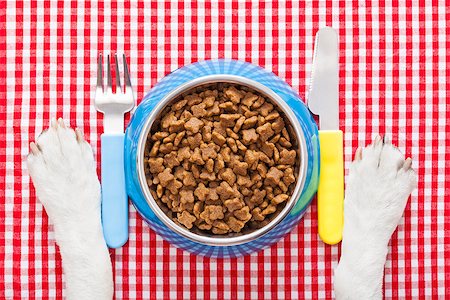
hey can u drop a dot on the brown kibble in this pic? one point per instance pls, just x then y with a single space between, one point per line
239 124
206 133
285 134
235 224
184 153
214 109
262 169
159 135
178 138
266 108
173 186
233 94
201 192
176 126
249 136
232 143
258 196
168 119
195 171
155 149
279 199
250 122
233 204
165 177
249 99
273 176
218 138
171 160
232 134
206 226
265 132
278 125
285 143
209 101
243 214
179 105
209 166
251 158
275 139
195 141
220 227
225 191
169 138
228 120
193 99
288 177
219 163
198 208
272 116
208 151
211 213
193 125
186 219
228 175
188 179
196 157
199 110
156 164
207 176
244 181
256 214
258 103
269 210
159 190
240 168
166 148
229 107
287 157
186 196
240 146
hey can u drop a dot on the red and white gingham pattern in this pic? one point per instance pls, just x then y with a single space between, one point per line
394 79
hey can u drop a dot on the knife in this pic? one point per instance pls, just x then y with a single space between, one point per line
323 100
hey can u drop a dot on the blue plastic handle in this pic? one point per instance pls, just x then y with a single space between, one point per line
114 196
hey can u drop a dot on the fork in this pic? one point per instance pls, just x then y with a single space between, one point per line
114 196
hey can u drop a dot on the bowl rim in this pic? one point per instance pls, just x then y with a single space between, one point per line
217 240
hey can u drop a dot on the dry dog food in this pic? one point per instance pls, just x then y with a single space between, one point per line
221 159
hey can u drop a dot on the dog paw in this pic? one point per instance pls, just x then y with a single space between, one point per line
379 184
62 167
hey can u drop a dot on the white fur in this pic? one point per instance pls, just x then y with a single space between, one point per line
377 191
62 167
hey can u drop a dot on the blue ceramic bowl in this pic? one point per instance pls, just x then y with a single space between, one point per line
202 73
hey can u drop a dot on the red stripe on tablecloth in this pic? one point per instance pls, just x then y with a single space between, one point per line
3 117
435 153
393 135
447 158
408 145
422 157
179 273
206 278
16 257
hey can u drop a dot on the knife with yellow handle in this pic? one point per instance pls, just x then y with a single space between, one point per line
323 100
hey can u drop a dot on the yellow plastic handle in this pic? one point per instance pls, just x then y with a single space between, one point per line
330 194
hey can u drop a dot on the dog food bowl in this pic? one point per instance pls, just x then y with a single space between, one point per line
227 71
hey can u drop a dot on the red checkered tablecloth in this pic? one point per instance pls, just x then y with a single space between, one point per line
395 58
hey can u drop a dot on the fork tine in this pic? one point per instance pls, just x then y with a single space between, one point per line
118 85
100 72
126 73
109 87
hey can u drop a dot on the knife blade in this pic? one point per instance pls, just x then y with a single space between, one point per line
323 100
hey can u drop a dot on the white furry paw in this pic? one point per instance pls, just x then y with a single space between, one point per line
379 184
62 168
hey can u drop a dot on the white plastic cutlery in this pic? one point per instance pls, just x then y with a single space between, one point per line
114 196
323 100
